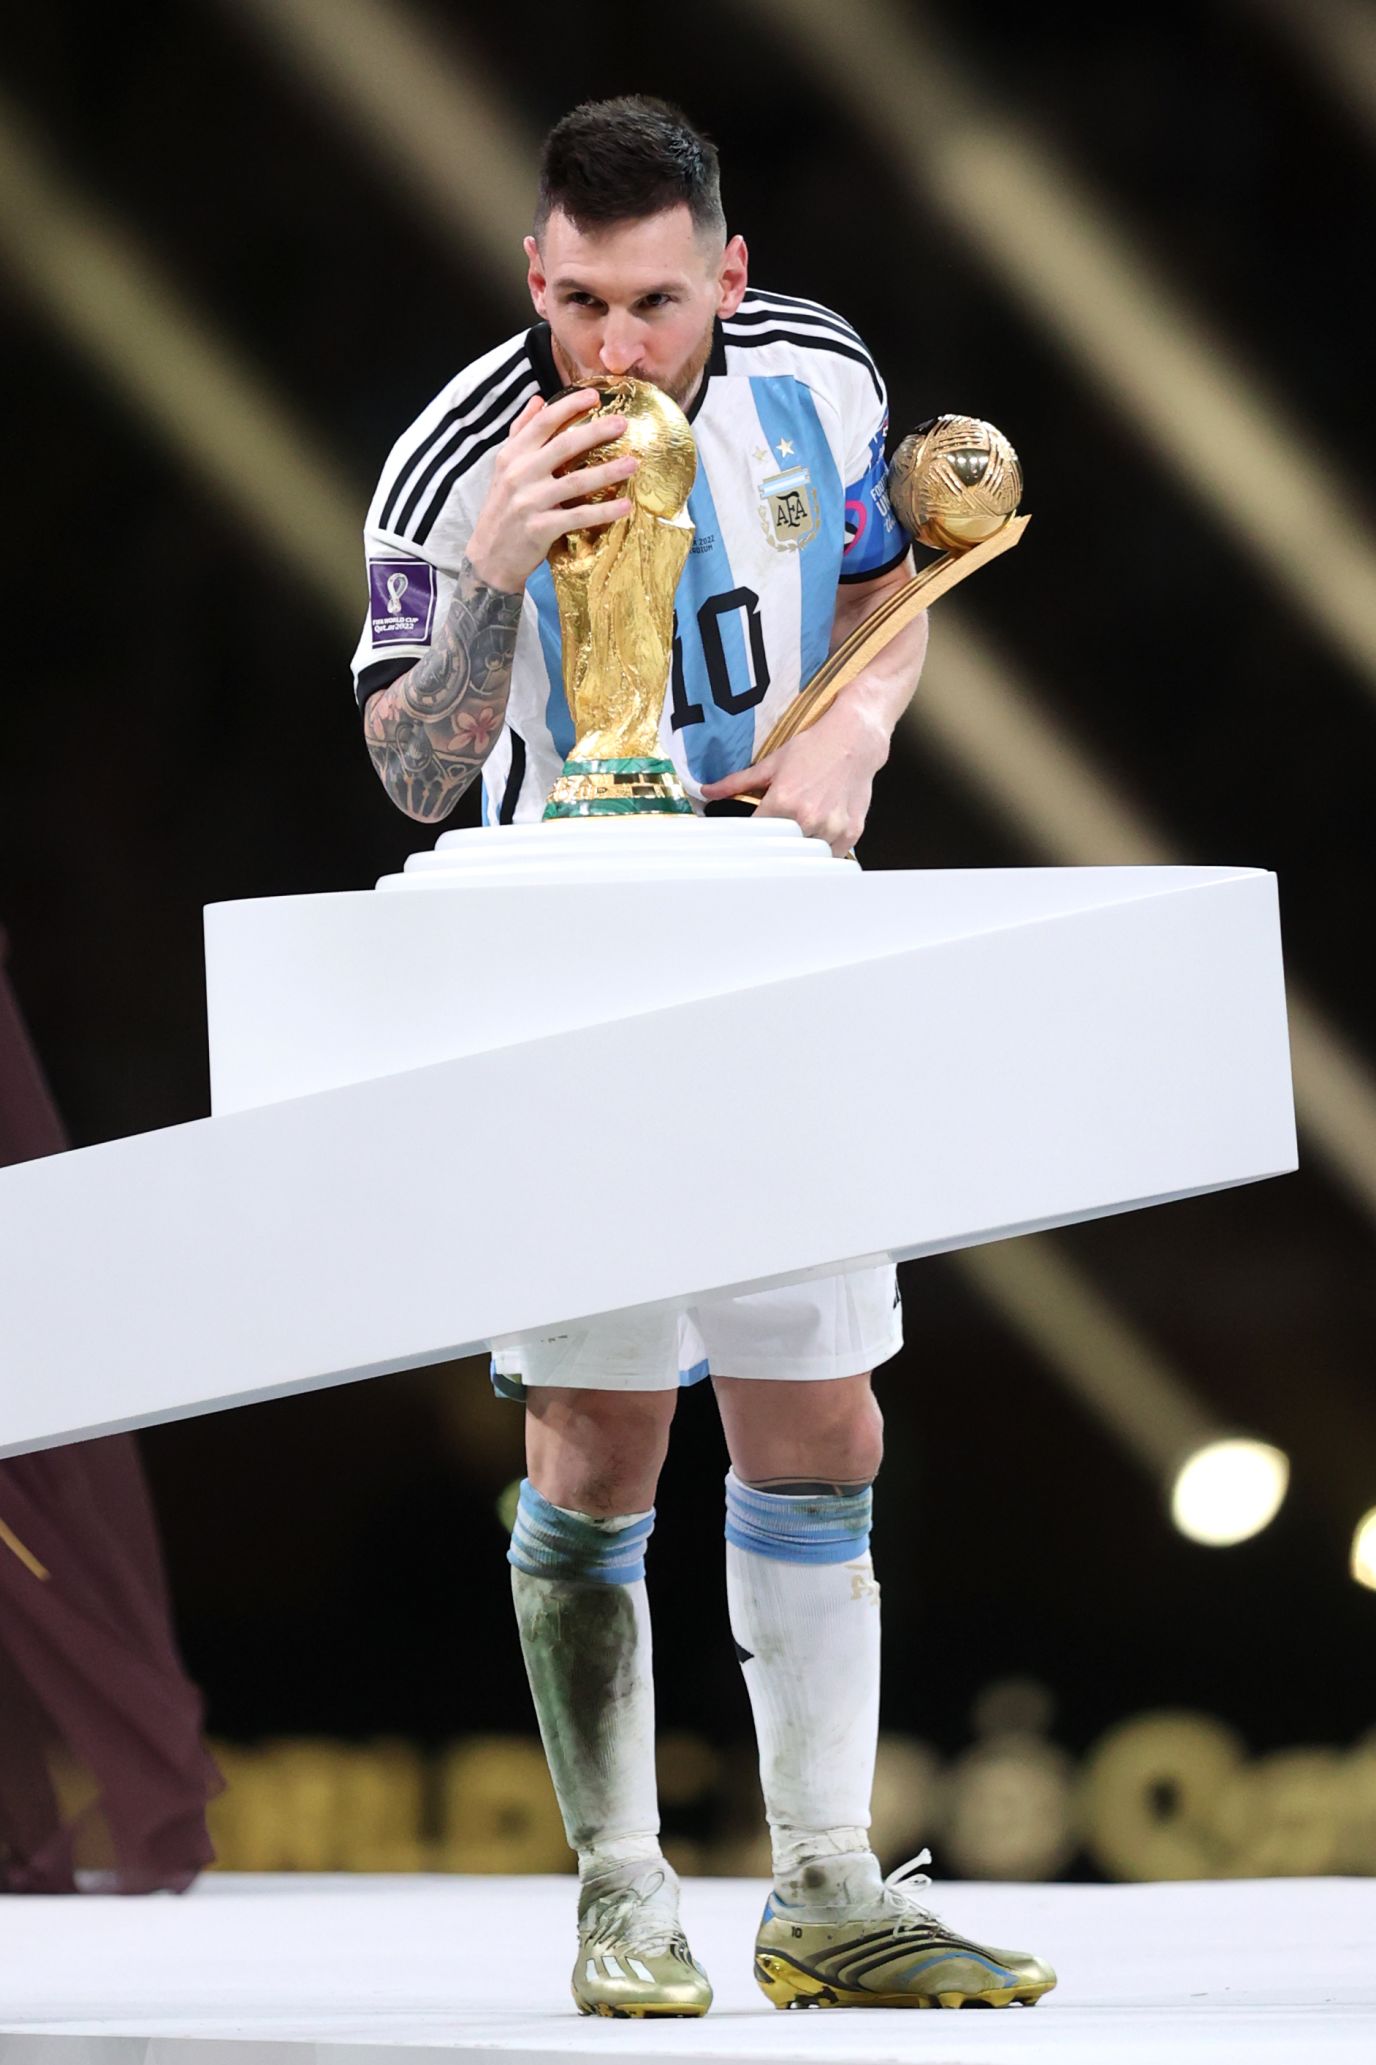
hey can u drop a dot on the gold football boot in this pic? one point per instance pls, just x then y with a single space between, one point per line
884 1951
633 1958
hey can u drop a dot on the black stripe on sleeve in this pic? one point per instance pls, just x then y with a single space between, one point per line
456 473
791 315
789 305
511 794
381 674
846 351
459 415
501 411
873 573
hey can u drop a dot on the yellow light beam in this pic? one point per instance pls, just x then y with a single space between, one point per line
1017 204
1103 1360
105 294
433 126
1338 37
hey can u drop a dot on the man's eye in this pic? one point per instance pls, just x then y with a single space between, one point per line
655 300
580 300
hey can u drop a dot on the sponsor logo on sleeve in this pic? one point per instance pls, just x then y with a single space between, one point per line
401 601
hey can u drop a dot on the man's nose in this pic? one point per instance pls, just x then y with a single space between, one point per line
621 346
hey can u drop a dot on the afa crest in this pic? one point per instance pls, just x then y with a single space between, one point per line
791 514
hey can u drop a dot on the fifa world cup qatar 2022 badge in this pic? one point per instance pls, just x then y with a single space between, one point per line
615 590
401 601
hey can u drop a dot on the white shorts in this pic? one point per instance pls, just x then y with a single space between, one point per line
834 1326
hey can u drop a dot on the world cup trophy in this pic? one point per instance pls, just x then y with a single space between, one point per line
615 589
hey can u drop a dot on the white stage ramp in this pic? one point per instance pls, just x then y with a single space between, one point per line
386 1971
560 1071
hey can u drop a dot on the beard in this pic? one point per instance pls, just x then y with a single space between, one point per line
680 386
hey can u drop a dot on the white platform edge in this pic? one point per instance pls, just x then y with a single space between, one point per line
389 1971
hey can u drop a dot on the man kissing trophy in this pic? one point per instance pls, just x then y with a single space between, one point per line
639 528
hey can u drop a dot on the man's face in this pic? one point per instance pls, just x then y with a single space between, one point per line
635 297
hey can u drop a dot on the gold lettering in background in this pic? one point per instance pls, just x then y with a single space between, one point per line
1160 1796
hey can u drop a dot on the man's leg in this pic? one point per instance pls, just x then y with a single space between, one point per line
805 1615
578 1579
805 1612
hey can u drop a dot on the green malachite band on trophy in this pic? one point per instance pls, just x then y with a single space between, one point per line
618 767
618 788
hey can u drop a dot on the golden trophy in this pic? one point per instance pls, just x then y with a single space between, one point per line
955 482
615 590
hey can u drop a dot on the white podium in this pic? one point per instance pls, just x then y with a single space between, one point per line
558 1071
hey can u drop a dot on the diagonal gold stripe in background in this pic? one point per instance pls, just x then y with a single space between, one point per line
92 280
1018 205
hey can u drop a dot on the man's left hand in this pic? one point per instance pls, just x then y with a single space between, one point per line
822 779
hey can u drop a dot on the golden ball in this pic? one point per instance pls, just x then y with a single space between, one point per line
657 431
954 482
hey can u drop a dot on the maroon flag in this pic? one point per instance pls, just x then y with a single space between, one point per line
104 1775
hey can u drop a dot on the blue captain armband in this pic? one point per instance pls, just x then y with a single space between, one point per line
875 539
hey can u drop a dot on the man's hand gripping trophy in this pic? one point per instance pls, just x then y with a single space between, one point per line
616 561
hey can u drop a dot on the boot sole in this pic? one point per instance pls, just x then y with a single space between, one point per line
637 2011
789 1985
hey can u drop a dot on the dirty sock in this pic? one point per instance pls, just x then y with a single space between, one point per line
584 1619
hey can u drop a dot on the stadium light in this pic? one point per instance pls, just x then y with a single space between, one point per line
1229 1490
1363 1564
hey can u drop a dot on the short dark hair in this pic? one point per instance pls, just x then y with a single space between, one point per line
620 160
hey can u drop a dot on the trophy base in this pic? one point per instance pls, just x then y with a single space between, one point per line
618 788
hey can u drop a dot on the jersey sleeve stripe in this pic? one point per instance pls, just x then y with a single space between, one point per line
763 297
459 416
463 447
812 343
381 674
470 457
876 573
756 316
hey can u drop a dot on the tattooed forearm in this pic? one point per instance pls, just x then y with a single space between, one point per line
430 732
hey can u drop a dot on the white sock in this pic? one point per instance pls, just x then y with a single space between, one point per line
804 1611
584 1618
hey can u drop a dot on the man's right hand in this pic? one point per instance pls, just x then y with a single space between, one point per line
523 513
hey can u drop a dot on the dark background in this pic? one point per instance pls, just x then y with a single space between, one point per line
180 729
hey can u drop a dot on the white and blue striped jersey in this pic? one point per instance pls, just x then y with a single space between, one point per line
790 422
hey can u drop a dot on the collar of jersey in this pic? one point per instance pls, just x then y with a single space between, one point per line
541 353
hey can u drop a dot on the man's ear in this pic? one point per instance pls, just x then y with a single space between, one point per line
535 275
733 277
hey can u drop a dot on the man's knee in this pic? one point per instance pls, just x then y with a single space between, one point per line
597 1452
821 1433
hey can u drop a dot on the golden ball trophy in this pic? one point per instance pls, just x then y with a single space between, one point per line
615 589
954 483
